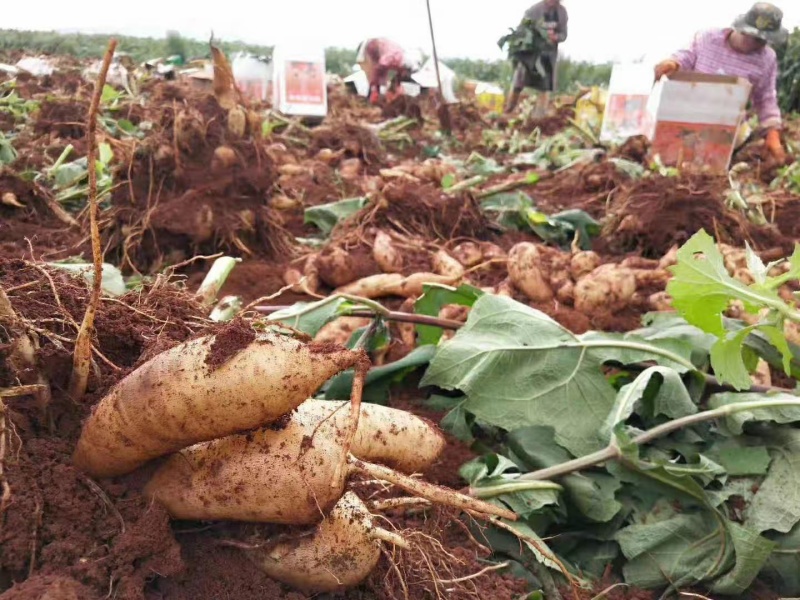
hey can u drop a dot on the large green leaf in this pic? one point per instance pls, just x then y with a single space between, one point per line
736 422
751 553
656 391
776 506
702 289
327 216
593 494
684 550
519 368
783 567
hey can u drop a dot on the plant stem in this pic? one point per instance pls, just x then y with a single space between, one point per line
513 486
215 279
612 452
82 356
646 348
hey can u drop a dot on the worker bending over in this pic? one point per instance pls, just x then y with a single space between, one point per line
385 61
553 17
742 51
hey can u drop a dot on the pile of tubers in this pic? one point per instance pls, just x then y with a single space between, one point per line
242 441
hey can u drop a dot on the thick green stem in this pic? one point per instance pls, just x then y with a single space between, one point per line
612 452
646 348
512 487
215 279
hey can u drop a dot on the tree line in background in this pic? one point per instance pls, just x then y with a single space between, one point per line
339 60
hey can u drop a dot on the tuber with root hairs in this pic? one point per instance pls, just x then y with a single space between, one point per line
178 398
340 553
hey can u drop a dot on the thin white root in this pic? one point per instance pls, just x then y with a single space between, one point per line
480 573
390 538
436 494
395 503
5 488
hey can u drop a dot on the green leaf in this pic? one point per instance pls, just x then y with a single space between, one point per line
684 550
380 379
701 287
492 470
660 327
751 553
457 422
519 368
736 422
327 216
744 461
776 506
540 550
112 282
663 392
310 317
436 297
629 349
594 557
448 181
593 494
105 154
755 265
783 567
582 223
728 361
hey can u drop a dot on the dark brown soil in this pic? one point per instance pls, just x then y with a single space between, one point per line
229 340
657 213
66 536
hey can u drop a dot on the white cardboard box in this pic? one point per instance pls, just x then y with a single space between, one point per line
692 119
298 81
625 114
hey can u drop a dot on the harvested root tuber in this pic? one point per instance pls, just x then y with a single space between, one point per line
224 158
468 254
291 476
374 286
305 282
583 263
339 331
394 284
178 398
446 265
609 288
337 267
385 254
525 272
340 554
391 437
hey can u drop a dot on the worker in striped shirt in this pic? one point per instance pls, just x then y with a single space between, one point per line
742 50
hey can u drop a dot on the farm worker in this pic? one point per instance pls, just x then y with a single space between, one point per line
384 61
742 51
553 17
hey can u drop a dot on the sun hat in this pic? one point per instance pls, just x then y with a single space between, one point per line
763 21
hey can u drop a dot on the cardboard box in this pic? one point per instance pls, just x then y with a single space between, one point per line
625 113
298 81
693 119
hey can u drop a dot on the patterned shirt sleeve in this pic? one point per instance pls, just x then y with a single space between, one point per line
765 96
687 58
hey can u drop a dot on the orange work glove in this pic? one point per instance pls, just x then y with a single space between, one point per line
666 67
775 146
374 96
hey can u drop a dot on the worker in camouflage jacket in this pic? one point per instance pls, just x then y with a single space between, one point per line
742 50
552 17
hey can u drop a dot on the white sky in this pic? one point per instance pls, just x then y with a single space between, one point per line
600 30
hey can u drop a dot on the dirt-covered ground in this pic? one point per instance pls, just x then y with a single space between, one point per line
177 195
